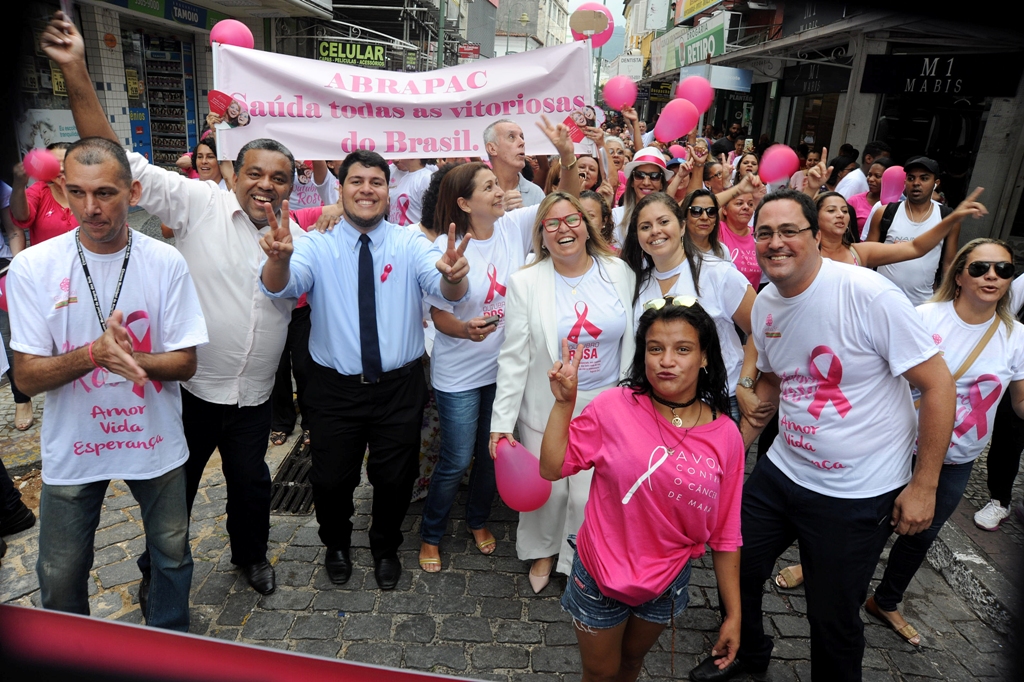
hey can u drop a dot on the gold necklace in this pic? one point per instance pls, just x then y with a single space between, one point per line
677 421
571 286
657 422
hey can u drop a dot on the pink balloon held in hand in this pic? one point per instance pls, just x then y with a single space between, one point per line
779 161
894 180
697 90
42 165
620 92
517 473
232 32
677 119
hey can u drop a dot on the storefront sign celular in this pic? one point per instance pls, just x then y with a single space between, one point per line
704 41
322 110
355 54
689 8
989 75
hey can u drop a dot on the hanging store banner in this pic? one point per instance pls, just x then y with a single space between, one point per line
703 41
354 54
944 74
321 110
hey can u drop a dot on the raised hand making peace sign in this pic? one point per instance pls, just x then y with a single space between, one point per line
453 265
563 375
277 242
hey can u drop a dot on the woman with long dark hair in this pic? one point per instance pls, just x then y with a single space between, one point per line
667 466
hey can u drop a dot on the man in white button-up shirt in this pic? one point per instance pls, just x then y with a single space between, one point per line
226 405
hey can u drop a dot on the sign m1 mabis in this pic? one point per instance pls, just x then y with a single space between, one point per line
320 109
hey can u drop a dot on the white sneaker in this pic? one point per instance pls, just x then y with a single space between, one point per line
991 515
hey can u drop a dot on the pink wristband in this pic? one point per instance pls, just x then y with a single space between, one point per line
91 357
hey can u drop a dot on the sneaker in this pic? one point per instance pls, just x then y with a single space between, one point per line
991 515
17 521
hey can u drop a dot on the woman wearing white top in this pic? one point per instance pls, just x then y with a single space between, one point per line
665 261
974 296
576 289
646 173
464 361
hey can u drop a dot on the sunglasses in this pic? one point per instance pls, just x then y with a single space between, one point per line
698 211
572 220
659 303
653 175
980 268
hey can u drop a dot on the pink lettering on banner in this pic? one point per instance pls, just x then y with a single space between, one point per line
828 384
496 287
581 324
978 416
402 203
145 345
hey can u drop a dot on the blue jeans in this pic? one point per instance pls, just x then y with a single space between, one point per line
908 551
465 420
68 516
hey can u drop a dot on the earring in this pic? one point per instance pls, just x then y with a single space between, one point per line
956 296
705 368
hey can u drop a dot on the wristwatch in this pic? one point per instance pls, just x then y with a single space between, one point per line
746 382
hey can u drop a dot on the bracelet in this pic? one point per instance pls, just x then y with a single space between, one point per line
571 165
91 357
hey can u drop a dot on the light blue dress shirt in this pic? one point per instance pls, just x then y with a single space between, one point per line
326 267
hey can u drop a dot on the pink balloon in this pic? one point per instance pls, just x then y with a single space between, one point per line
598 39
42 165
677 151
232 32
517 473
677 119
698 90
620 92
3 293
779 161
894 180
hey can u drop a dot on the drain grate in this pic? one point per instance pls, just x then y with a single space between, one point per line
291 491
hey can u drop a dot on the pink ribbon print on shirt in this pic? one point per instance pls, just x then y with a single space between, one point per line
828 384
582 323
977 417
402 203
145 345
495 287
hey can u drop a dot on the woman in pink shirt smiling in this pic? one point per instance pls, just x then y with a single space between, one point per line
668 477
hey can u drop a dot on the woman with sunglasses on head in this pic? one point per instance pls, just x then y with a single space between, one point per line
983 345
666 262
575 289
667 467
464 361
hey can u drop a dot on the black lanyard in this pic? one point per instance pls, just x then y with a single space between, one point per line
92 287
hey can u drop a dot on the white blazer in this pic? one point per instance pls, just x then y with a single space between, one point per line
532 345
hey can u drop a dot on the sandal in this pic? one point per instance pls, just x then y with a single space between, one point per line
21 422
486 546
305 436
430 564
907 632
278 437
788 578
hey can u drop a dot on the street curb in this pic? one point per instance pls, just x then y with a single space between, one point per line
994 598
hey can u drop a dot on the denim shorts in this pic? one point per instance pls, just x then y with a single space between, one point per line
589 608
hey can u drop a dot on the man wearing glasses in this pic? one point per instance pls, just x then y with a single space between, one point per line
834 344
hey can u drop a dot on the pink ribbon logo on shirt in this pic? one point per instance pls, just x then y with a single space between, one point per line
496 286
143 346
828 385
402 203
582 323
384 275
978 416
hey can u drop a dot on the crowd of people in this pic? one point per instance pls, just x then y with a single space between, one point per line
634 320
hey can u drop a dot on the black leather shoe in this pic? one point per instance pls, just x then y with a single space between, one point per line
386 571
261 576
17 521
707 671
144 594
339 566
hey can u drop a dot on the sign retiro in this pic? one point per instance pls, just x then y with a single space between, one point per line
323 111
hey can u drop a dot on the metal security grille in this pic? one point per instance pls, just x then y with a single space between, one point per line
291 492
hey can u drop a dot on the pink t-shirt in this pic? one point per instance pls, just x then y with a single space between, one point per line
652 505
46 218
743 252
862 207
621 189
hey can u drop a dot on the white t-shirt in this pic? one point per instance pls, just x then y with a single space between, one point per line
722 288
915 277
407 197
981 387
310 194
1017 295
621 222
461 364
855 182
103 426
591 317
846 420
878 206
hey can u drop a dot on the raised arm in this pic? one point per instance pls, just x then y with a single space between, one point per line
20 210
15 235
563 379
569 176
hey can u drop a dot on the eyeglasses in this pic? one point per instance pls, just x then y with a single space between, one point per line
698 211
653 175
659 303
766 234
572 220
980 268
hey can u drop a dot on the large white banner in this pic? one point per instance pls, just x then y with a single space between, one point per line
321 110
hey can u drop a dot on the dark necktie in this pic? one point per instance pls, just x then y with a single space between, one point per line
369 345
